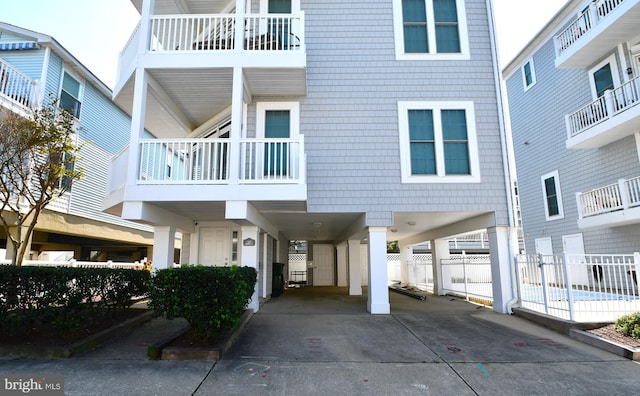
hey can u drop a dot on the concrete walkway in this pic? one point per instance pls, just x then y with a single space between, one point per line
319 341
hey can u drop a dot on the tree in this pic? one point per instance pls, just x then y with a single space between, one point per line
37 165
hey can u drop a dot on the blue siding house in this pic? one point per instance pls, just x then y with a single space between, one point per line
574 99
33 68
339 123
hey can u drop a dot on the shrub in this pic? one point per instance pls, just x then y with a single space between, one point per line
211 299
629 325
30 296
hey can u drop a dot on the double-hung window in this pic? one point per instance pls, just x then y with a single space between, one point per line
528 75
552 198
438 142
71 95
430 29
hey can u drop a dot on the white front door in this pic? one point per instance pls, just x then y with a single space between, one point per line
323 264
213 247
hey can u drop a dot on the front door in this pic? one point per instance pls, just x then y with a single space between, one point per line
323 264
214 245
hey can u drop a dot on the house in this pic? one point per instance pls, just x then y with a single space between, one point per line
342 124
574 100
33 69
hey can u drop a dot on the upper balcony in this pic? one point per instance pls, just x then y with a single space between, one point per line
611 117
599 29
610 206
17 90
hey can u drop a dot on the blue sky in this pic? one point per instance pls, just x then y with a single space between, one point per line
95 31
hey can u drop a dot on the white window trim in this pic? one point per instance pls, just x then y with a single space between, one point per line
80 80
614 73
524 76
464 53
405 145
294 113
264 6
556 179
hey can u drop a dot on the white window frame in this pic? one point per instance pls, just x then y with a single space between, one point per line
80 81
405 143
294 113
615 74
464 53
524 75
264 6
556 179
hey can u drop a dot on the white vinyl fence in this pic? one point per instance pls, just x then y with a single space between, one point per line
579 287
84 264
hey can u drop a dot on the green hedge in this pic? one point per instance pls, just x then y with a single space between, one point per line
211 299
629 325
30 296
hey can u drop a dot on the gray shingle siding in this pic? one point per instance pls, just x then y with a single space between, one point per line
350 114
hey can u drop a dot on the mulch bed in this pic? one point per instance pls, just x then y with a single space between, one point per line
49 335
610 333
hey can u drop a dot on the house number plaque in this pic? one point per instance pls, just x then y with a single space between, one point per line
249 242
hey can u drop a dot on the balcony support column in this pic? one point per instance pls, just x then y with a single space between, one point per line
624 196
250 257
378 301
236 125
502 242
145 25
240 14
355 275
137 124
163 246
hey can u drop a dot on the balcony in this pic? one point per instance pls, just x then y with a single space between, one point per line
610 206
596 32
265 168
611 117
17 90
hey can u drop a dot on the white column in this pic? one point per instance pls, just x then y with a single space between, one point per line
163 247
237 108
249 240
440 251
341 253
355 276
137 124
500 247
378 301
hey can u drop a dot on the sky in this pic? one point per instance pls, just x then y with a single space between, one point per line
94 31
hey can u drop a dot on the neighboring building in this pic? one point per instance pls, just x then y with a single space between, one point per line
34 68
574 100
338 123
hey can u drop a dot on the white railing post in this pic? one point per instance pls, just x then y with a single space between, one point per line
543 280
579 205
464 275
636 274
624 194
609 104
568 284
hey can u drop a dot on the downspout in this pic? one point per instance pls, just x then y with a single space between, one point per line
507 164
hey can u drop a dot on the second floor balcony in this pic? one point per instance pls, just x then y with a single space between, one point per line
613 205
17 90
213 165
611 117
597 31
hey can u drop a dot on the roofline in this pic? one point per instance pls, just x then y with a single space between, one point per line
541 37
46 40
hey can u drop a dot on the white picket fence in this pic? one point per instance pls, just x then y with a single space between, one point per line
137 265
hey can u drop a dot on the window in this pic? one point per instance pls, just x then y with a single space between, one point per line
430 29
438 142
552 196
277 122
71 95
528 75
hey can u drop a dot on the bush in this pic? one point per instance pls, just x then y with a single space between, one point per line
211 299
629 325
30 296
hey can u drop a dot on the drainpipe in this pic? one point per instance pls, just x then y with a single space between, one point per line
508 168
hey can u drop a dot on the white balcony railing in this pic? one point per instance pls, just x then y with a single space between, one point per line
217 32
624 194
207 161
605 107
591 16
17 86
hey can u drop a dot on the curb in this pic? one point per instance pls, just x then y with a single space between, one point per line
66 351
161 351
607 345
